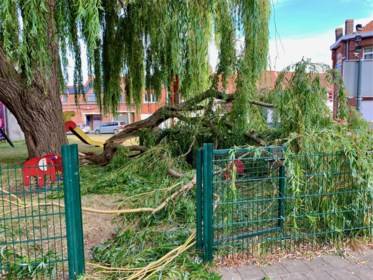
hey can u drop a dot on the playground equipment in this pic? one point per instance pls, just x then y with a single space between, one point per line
47 166
57 162
71 126
238 165
41 168
3 134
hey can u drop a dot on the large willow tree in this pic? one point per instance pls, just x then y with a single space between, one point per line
152 43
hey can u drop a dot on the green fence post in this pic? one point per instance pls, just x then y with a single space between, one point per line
281 194
199 200
73 211
208 234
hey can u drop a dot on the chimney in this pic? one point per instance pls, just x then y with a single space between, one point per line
338 33
349 26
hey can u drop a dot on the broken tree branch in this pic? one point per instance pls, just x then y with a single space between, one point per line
161 115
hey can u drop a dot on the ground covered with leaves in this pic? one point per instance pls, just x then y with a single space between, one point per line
143 237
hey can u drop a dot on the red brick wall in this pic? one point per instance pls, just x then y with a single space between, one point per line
150 108
84 107
367 42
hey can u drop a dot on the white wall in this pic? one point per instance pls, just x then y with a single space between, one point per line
145 116
367 110
14 131
350 69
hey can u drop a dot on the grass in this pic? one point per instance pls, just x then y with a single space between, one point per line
13 155
18 154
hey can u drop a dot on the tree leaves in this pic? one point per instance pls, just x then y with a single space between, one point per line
153 44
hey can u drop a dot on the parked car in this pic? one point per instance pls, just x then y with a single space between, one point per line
110 127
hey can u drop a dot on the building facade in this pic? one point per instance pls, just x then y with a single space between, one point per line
352 56
87 111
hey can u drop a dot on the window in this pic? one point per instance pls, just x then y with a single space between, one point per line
150 97
368 53
91 98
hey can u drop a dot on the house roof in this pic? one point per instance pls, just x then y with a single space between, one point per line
267 81
87 86
368 27
366 33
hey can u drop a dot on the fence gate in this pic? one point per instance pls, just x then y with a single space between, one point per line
246 202
239 197
41 235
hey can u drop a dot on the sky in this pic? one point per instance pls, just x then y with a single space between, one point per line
305 28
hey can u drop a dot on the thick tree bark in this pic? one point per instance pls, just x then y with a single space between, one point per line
39 116
36 105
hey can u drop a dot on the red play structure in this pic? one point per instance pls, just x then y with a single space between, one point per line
238 164
47 166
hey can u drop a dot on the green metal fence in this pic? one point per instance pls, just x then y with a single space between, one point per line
36 239
255 201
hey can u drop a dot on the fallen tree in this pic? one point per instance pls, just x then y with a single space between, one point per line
180 111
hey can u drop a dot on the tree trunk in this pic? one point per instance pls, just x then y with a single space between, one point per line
40 118
36 105
38 110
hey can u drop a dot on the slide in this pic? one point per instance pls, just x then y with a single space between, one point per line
71 126
3 134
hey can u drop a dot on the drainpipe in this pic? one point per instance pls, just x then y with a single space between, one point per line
358 91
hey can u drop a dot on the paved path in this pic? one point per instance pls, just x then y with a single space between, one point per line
358 266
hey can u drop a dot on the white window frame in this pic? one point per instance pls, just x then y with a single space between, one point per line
150 97
368 51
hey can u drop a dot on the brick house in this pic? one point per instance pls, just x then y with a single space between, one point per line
352 55
87 112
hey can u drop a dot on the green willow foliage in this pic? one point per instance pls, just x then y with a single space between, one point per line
151 43
253 62
25 25
300 98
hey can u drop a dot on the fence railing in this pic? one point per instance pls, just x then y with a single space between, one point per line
254 201
41 233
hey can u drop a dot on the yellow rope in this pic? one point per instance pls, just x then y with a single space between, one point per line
186 187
